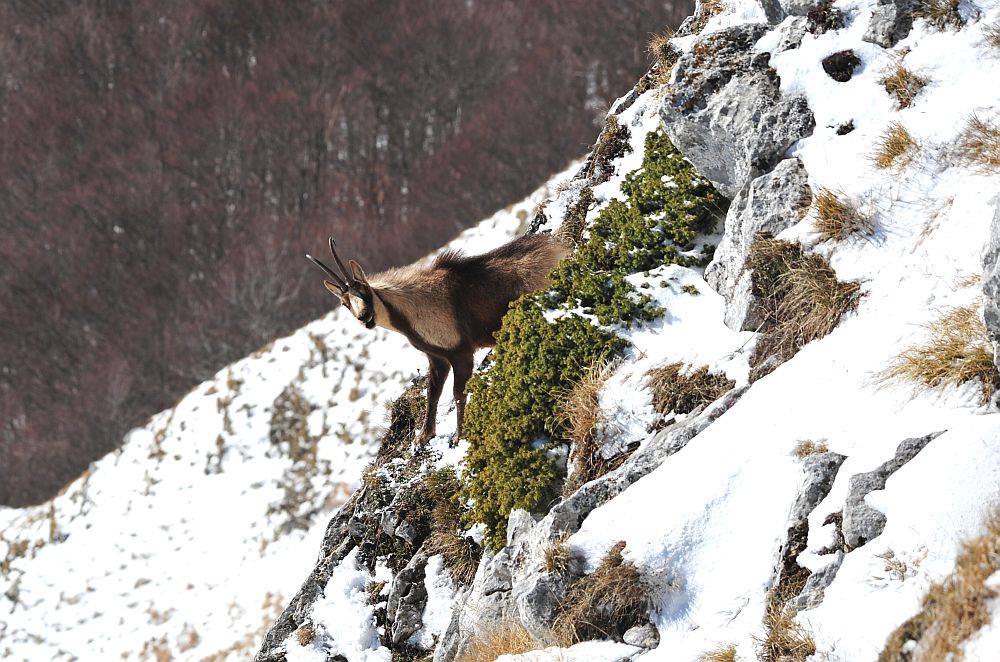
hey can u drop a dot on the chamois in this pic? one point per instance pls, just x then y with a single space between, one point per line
449 308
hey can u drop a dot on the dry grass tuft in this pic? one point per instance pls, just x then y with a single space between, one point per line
806 447
305 634
578 409
801 300
724 653
785 640
895 148
677 389
461 554
664 54
955 608
942 14
558 556
603 604
903 84
979 145
958 350
504 638
991 35
837 218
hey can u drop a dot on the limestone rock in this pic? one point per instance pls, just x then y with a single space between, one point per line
770 204
725 112
991 283
890 23
643 636
862 522
407 598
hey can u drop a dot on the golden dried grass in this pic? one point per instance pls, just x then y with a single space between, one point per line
838 218
954 608
957 350
895 147
979 145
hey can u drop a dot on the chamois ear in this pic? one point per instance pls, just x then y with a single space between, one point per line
333 289
358 272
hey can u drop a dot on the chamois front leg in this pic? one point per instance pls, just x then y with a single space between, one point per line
462 365
437 373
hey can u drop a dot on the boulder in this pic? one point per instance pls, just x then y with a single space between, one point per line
770 204
724 110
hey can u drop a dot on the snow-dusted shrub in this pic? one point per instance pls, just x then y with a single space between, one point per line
957 350
678 389
895 147
801 298
838 218
954 608
545 345
979 145
902 84
604 604
942 14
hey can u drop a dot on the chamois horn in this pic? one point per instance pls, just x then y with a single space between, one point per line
337 280
348 277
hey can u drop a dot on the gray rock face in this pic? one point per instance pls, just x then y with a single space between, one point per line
862 522
820 472
337 544
770 204
407 598
991 283
812 593
512 585
890 23
725 112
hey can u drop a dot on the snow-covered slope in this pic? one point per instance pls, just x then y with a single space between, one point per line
715 510
188 541
709 528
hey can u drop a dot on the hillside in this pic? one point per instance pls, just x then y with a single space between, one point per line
164 171
754 418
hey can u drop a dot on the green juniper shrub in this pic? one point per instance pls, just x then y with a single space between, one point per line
511 420
512 407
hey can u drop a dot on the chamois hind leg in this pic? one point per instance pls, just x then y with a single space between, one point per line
437 373
462 365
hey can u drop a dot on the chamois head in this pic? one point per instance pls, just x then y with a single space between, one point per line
352 288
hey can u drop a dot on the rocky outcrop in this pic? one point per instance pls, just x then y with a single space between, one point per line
407 599
820 472
770 204
725 112
337 544
858 522
510 584
991 284
861 521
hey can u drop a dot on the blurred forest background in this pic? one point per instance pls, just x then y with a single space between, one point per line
165 166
